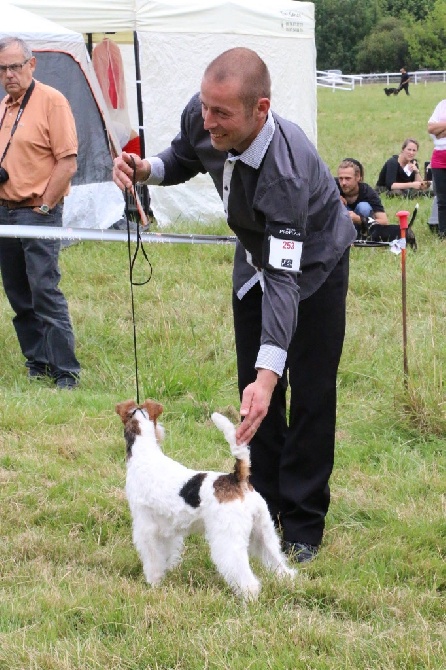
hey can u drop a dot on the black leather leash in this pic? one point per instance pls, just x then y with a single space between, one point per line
132 259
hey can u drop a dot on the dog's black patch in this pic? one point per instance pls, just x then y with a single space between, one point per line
190 492
130 436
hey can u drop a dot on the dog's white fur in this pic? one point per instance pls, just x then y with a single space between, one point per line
168 501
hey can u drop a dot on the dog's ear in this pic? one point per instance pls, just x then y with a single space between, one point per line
154 409
124 408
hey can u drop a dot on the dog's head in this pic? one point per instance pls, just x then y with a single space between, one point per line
130 417
127 409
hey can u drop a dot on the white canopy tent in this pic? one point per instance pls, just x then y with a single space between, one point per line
177 39
62 61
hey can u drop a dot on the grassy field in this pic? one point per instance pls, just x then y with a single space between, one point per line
72 592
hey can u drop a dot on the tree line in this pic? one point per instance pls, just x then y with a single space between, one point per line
360 36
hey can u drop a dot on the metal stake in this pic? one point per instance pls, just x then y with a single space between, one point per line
403 216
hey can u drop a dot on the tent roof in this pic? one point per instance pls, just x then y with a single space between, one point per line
34 27
281 17
63 62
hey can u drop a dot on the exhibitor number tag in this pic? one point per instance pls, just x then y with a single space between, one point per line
284 254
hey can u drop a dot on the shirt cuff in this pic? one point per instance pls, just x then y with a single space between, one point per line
271 358
156 173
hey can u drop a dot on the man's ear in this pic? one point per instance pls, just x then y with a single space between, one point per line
263 105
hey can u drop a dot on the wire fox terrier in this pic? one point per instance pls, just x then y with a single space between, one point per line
169 501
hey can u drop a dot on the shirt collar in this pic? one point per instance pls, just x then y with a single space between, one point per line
254 154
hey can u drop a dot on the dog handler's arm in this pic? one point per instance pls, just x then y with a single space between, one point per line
255 402
124 167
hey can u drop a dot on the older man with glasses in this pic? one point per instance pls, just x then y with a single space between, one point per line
38 157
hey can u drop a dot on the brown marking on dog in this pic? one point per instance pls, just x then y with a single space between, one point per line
227 488
131 430
235 484
154 409
125 409
242 471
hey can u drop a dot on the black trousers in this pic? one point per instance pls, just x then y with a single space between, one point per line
292 459
404 87
30 273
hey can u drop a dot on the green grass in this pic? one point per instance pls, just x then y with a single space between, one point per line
72 592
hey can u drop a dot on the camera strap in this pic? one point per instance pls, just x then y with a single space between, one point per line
24 102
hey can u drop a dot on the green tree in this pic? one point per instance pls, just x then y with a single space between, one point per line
341 26
385 49
427 39
417 9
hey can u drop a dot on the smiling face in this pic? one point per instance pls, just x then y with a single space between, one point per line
231 124
16 82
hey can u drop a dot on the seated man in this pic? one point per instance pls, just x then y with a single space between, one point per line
365 207
361 200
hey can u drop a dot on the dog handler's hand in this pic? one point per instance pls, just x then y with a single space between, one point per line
255 402
124 166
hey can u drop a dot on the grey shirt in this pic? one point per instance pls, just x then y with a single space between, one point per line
283 183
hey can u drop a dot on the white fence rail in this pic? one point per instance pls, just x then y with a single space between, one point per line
335 80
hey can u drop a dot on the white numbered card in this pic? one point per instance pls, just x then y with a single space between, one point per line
285 254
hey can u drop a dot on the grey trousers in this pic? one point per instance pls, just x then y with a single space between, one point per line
30 275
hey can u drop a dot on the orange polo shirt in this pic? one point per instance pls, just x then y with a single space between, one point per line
45 134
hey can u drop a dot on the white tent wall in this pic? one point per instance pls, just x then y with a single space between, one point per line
177 39
198 199
62 61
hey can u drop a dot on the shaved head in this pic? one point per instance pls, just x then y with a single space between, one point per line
248 68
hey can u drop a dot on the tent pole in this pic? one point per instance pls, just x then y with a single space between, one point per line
145 199
90 44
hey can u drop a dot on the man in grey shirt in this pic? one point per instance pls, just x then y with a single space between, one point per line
291 258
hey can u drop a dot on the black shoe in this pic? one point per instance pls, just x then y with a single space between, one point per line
36 372
68 382
301 552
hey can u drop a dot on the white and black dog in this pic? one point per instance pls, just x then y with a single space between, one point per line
168 501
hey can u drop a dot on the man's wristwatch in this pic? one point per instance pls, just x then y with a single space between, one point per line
44 209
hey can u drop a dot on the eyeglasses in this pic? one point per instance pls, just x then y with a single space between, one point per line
14 67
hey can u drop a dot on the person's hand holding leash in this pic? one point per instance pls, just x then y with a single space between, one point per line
128 168
255 402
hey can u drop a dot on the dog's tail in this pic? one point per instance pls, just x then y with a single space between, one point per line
239 451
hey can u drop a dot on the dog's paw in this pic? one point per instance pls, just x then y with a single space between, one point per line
284 572
250 592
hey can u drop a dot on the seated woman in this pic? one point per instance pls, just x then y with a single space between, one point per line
400 174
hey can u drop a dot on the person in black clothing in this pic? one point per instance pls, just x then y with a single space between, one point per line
291 260
404 81
400 174
361 200
365 207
